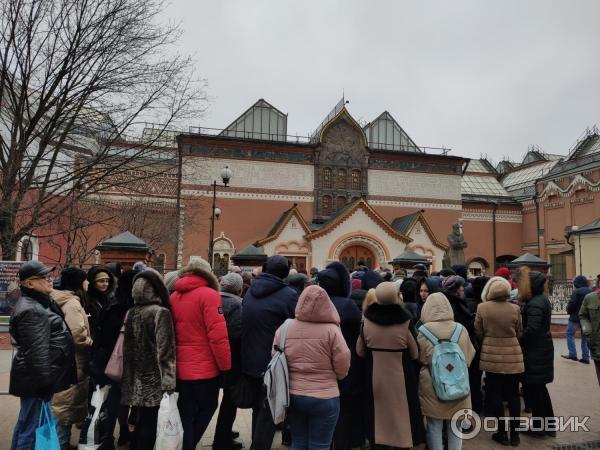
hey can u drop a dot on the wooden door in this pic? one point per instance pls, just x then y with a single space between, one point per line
357 255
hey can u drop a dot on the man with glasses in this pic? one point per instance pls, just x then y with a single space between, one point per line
44 362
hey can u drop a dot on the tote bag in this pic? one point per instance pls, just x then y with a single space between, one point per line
46 437
114 368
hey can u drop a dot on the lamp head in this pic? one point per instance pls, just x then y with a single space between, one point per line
217 213
226 175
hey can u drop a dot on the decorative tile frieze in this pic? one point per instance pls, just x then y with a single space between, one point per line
489 217
247 153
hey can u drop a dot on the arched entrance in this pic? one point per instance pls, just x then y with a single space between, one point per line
356 255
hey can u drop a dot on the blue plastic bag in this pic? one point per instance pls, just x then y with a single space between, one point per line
46 437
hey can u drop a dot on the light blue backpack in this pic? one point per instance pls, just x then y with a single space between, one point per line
449 371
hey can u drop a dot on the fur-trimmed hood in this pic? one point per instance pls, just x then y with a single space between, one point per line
335 279
198 270
152 291
387 314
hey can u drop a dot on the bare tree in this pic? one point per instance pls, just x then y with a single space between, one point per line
77 78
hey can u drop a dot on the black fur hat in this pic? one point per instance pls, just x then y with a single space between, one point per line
335 279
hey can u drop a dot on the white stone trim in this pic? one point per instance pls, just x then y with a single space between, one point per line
418 205
579 179
489 217
358 240
249 195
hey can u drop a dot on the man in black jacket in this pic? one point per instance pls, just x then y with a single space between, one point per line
44 362
581 289
267 304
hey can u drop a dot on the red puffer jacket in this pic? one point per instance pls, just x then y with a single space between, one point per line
200 330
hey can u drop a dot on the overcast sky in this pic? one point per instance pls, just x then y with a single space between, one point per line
477 76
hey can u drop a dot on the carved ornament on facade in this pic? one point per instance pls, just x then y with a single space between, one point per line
579 182
361 240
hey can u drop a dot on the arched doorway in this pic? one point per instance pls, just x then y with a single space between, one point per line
355 255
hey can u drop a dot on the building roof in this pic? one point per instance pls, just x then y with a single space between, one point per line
410 257
587 144
345 212
261 121
124 241
590 228
528 259
482 185
481 165
280 224
384 133
405 224
526 177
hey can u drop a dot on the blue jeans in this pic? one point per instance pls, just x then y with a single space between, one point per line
585 350
28 421
434 435
312 421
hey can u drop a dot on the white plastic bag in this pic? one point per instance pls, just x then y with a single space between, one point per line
169 431
95 425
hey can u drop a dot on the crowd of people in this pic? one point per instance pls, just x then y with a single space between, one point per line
361 349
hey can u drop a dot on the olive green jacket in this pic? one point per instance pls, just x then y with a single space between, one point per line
589 316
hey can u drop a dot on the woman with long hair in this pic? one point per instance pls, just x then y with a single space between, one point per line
538 348
70 406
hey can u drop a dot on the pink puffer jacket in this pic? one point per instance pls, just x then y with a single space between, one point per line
316 352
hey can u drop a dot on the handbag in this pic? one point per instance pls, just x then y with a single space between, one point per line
46 437
114 368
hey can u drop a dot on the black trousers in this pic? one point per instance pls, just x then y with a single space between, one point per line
227 413
113 400
198 400
500 387
263 427
349 431
145 421
539 401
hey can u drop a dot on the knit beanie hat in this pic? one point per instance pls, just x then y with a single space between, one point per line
503 272
232 283
72 278
452 283
199 261
170 280
277 265
387 293
497 288
356 284
139 266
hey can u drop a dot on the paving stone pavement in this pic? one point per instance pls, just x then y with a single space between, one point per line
575 392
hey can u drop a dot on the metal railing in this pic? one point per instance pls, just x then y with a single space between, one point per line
560 294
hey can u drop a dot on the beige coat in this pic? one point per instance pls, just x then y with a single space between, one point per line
70 406
384 338
498 327
437 315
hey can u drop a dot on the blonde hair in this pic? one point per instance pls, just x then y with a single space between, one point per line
370 298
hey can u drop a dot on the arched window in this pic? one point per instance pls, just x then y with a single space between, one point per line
326 207
327 178
340 202
355 180
340 179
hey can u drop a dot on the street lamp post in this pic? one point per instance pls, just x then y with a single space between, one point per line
226 175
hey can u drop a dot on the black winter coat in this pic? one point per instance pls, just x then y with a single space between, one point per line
44 363
266 305
463 315
107 331
232 310
536 341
